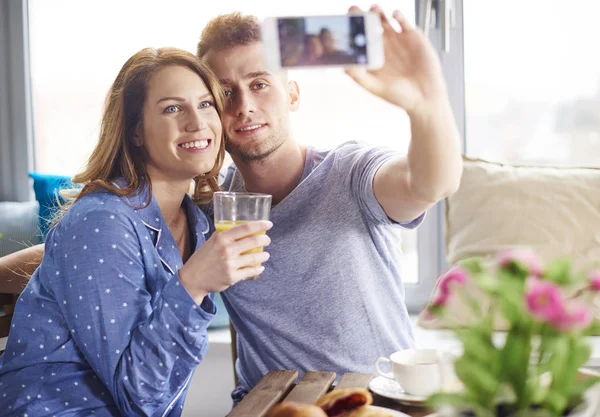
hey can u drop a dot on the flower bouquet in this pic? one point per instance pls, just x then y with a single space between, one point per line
548 314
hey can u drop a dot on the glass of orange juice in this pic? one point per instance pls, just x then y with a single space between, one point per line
234 208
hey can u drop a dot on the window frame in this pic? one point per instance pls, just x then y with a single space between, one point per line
16 116
431 236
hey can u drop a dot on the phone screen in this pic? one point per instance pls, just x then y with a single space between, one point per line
322 40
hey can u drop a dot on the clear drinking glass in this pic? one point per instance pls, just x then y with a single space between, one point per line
235 208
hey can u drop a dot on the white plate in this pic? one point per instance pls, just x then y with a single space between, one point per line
392 390
392 413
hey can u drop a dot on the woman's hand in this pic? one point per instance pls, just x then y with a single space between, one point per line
221 261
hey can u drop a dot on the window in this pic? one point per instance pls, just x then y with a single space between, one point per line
532 81
78 47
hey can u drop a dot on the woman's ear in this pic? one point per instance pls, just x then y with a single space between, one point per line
137 137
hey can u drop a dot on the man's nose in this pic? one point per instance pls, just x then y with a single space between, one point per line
243 104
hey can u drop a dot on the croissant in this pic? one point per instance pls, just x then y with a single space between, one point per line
366 411
350 402
293 409
339 401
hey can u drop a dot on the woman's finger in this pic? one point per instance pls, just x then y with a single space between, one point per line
248 273
252 259
246 229
248 243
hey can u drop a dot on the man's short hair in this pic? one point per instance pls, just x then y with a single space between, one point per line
228 30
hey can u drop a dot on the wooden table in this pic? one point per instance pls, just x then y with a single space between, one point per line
277 386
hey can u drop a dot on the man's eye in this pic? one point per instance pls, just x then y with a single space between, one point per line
260 86
171 109
228 93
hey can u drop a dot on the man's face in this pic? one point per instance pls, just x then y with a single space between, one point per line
256 114
328 41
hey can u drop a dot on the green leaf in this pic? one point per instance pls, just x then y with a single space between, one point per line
481 384
458 402
515 363
556 402
577 390
559 271
479 347
559 355
473 265
1 235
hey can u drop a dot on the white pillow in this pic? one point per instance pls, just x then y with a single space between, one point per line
554 211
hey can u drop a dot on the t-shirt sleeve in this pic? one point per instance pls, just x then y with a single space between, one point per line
361 163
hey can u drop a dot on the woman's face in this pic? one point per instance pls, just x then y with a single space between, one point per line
181 129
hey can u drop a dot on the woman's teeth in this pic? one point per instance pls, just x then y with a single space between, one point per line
198 144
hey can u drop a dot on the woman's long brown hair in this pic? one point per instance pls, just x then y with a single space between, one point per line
116 156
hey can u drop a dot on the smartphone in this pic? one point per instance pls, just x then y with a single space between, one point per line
323 41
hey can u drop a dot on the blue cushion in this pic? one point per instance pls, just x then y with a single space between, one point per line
46 188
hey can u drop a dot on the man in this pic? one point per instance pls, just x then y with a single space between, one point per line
331 297
331 55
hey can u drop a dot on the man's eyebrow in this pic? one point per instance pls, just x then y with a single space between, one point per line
203 96
255 74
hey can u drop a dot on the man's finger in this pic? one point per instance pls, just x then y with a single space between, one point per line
364 78
385 23
405 25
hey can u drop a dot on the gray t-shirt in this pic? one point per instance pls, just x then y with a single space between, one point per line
331 297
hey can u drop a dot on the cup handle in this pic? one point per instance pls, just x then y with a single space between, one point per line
388 375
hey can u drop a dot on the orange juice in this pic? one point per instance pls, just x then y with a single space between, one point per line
230 224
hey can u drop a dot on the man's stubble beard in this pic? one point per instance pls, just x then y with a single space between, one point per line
256 153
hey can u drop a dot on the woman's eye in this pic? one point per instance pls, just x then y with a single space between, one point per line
171 109
206 104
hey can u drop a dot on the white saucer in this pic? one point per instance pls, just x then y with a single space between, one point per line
392 390
392 413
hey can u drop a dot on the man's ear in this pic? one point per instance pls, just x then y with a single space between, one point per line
293 95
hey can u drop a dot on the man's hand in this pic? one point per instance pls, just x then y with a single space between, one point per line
411 77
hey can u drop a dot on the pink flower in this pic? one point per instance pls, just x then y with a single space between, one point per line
594 277
575 318
525 257
546 304
456 276
545 301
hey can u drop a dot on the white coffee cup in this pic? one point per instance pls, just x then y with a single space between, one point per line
420 372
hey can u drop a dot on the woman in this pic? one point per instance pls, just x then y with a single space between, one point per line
114 321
